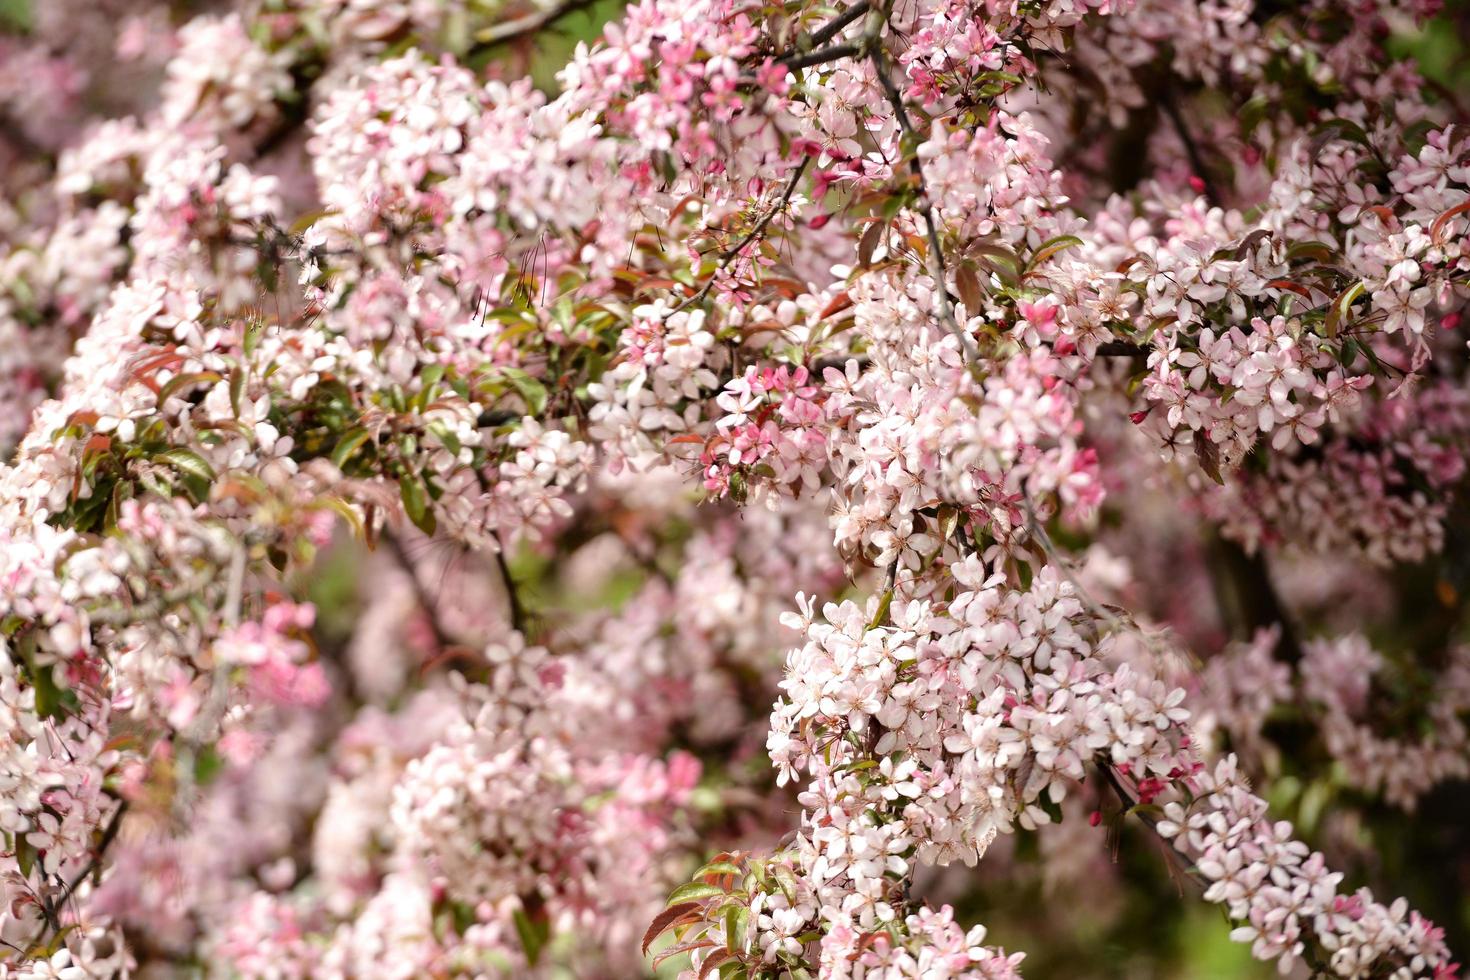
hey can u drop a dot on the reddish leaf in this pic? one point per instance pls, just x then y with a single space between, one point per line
840 302
664 920
713 961
967 282
1297 288
673 951
1208 456
1249 243
1437 229
868 244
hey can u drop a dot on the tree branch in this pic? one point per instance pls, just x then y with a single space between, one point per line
729 254
1252 595
109 834
935 258
425 601
797 62
837 24
1121 348
519 621
1191 148
521 26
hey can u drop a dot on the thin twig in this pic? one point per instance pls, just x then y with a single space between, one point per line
50 908
729 254
935 258
109 834
1152 822
426 602
529 24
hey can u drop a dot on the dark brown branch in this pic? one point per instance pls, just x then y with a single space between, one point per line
1178 860
51 909
521 26
1121 348
421 595
837 24
1250 599
821 57
519 621
109 834
1191 148
937 270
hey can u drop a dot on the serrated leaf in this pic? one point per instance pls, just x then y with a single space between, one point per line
713 961
664 920
719 868
684 947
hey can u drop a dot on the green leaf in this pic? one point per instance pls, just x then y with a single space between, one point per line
187 462
25 854
15 15
719 868
694 891
1051 247
446 435
533 935
348 444
184 380
1341 307
1337 129
531 390
882 613
207 765
416 502
253 331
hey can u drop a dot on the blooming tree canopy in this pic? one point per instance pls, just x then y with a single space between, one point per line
704 505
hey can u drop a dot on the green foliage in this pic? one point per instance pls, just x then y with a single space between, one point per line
15 16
